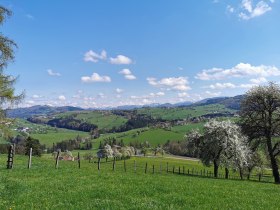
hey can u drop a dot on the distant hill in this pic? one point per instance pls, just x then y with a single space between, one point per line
39 110
228 102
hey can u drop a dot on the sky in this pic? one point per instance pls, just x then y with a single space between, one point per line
108 53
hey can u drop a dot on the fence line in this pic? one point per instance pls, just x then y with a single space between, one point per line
149 167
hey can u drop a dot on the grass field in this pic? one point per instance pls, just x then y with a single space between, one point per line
44 133
183 112
44 187
154 136
57 136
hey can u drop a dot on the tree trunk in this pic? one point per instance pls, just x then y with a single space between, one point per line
273 161
249 173
216 167
240 173
227 173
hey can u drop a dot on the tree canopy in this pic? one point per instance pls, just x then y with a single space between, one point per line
221 144
260 120
8 96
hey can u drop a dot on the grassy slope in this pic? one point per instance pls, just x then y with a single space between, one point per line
183 112
46 134
43 187
154 136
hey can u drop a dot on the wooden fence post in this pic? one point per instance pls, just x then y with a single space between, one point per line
114 164
99 164
56 160
167 168
173 169
188 171
29 159
124 165
179 170
79 161
10 160
146 167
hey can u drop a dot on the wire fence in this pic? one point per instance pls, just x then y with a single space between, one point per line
148 167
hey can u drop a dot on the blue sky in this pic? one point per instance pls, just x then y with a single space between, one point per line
99 53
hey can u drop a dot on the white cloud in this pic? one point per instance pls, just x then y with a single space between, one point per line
180 68
61 98
52 73
118 90
127 74
158 94
230 9
95 78
101 95
240 70
222 85
247 86
249 10
173 83
129 77
30 102
258 80
213 94
36 96
146 101
92 56
183 95
120 59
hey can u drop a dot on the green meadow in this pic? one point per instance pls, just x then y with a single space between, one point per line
181 113
154 136
46 134
68 187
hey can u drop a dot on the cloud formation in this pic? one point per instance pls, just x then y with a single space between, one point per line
249 10
183 95
95 78
120 59
240 70
118 90
61 98
52 73
94 57
222 85
170 83
127 74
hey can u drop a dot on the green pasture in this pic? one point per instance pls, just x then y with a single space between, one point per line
180 113
154 136
68 187
62 134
